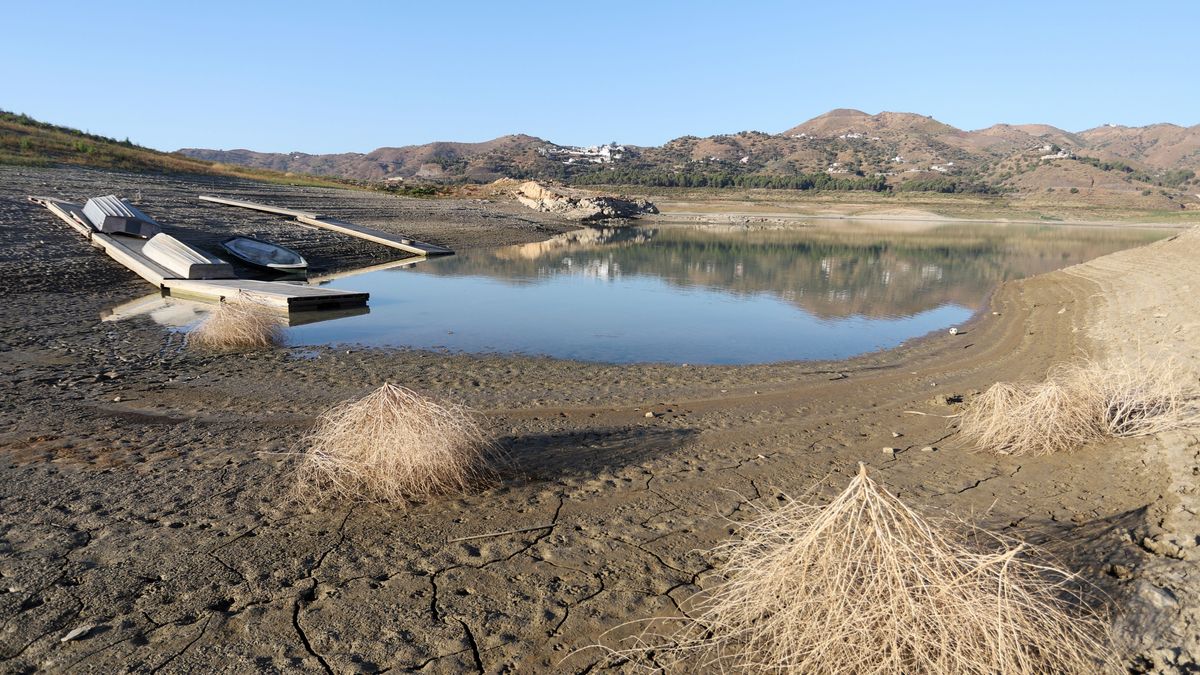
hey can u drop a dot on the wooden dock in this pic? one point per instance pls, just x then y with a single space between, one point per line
362 232
167 311
282 296
343 274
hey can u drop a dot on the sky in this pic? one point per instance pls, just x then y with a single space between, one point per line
324 77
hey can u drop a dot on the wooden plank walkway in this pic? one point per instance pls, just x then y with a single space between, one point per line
276 294
362 232
168 311
395 264
278 210
282 296
71 213
128 252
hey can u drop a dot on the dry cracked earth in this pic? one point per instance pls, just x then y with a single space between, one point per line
147 489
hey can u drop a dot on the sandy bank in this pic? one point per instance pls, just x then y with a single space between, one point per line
1144 307
897 218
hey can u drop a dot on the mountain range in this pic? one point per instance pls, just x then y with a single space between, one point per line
899 150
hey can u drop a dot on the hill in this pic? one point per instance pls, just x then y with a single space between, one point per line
514 156
1155 166
1158 146
28 142
842 149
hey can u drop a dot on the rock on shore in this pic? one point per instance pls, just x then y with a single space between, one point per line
578 205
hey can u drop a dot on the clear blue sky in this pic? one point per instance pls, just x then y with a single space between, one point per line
353 76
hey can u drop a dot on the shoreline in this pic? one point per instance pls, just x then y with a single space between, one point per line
668 216
146 489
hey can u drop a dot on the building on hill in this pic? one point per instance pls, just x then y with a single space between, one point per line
598 154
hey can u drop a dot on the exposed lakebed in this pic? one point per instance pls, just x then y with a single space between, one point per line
707 295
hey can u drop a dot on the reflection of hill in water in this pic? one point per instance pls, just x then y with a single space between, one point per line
831 272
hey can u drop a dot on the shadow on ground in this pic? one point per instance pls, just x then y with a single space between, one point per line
584 453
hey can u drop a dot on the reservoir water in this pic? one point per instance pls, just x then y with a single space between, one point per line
708 295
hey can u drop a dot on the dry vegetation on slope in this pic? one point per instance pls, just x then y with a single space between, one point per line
27 142
512 156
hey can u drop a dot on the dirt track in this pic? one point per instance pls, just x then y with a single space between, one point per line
163 519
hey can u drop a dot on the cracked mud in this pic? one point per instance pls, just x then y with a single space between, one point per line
164 520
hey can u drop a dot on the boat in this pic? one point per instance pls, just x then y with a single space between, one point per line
114 215
183 260
265 255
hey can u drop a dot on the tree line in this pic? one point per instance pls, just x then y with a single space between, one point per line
696 179
1169 178
798 181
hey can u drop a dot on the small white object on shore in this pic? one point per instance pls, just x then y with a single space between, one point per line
954 331
76 634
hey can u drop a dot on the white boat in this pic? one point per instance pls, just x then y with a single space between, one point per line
265 255
114 215
183 260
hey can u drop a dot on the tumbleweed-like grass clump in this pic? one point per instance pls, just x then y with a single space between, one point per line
238 325
866 585
1140 397
1038 419
394 445
1079 403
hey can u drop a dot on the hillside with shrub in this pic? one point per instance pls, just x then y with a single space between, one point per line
25 141
841 150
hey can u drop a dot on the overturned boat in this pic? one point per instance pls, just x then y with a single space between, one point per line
185 261
114 215
265 255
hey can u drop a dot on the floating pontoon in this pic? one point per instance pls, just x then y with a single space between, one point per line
325 222
168 265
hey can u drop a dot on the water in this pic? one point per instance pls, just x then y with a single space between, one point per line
682 294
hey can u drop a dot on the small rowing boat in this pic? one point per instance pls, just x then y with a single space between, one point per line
113 215
265 255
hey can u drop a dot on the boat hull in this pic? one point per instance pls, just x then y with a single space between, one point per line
265 255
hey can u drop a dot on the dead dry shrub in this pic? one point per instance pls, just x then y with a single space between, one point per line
866 585
1078 403
1140 397
1038 419
391 446
238 324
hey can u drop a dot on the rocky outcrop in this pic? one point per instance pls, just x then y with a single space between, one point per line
579 205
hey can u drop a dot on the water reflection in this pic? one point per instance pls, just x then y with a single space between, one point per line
840 271
710 295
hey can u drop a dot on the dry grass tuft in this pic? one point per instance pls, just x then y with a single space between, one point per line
237 325
866 585
1052 416
1141 397
394 445
1080 403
